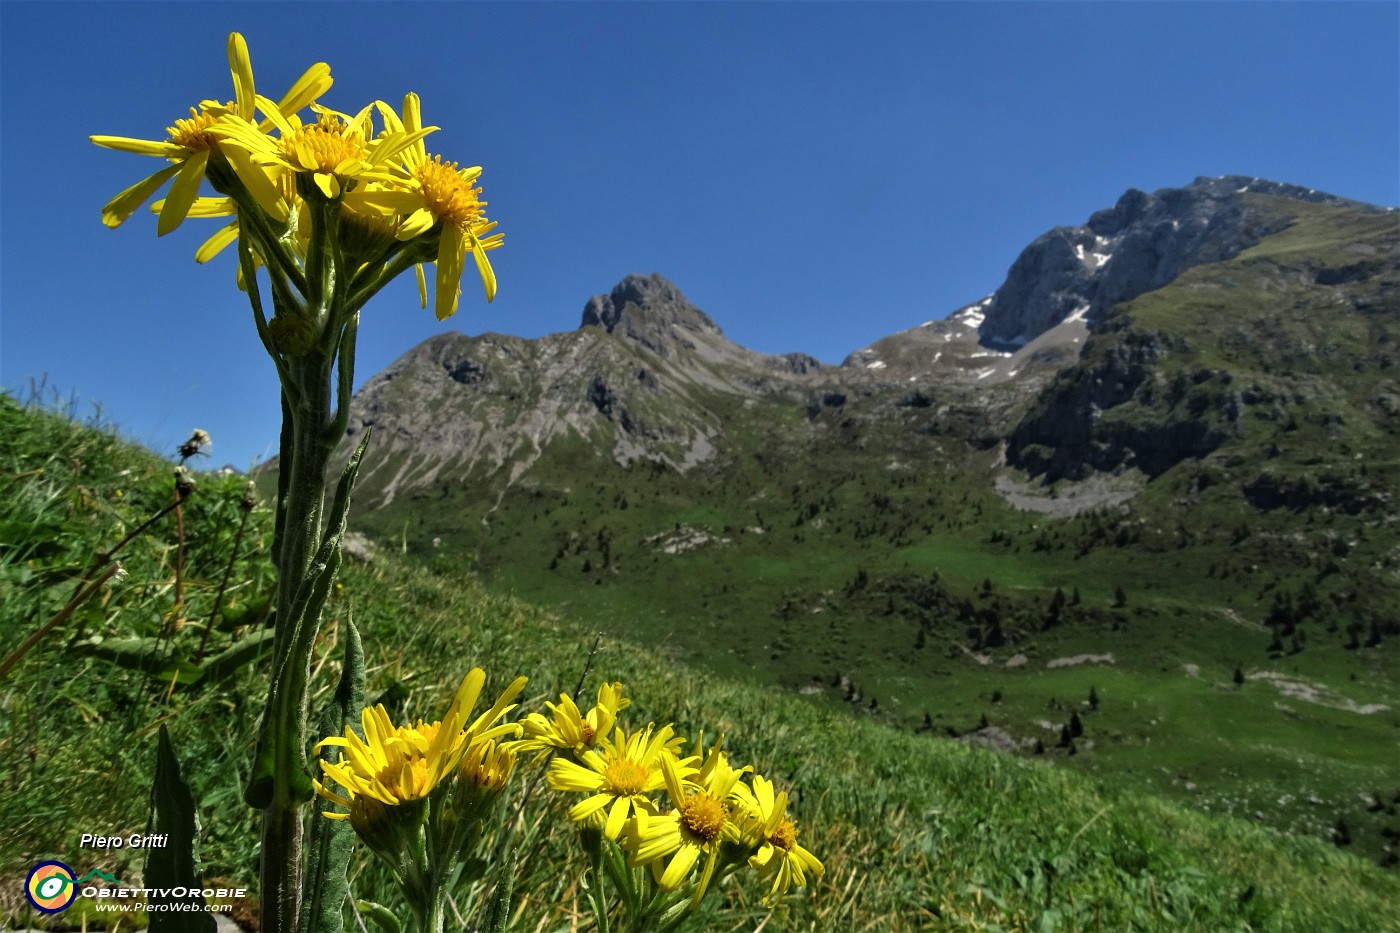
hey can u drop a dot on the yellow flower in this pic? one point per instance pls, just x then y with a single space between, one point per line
488 765
189 143
766 824
338 151
570 730
700 823
433 192
619 775
395 765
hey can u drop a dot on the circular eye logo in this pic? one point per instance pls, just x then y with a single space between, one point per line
50 887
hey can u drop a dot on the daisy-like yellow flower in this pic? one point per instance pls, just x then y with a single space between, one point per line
398 764
570 730
189 143
766 823
338 151
488 766
433 192
701 821
619 775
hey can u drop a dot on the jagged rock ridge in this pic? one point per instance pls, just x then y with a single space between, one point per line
648 376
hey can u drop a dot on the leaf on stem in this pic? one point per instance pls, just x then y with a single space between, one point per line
171 866
331 842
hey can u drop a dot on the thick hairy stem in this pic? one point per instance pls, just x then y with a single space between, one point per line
280 881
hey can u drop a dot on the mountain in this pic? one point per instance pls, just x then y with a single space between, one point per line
1158 461
650 377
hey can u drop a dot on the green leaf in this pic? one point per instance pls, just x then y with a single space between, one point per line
330 843
498 910
278 728
170 864
244 651
381 916
141 654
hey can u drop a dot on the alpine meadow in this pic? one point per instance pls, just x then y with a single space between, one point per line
1075 610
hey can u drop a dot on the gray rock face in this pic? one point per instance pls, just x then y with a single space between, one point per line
1140 244
651 311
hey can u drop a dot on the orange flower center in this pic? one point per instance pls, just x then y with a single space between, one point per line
704 815
323 145
588 733
191 133
447 194
405 780
626 777
784 835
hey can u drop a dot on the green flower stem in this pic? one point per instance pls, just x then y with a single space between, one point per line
311 342
254 223
593 843
362 292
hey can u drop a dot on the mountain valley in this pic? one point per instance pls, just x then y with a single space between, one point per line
1133 511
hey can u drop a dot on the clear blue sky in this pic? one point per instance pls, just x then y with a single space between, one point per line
813 176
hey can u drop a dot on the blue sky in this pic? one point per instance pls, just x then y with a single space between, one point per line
814 176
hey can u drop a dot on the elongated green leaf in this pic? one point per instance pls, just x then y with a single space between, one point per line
171 855
244 651
330 843
278 730
498 910
381 916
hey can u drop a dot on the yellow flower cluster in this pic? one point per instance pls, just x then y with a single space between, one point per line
271 169
666 810
397 765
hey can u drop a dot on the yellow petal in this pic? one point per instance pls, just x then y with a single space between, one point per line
242 68
616 817
204 207
566 775
150 147
311 85
286 121
328 183
244 135
392 123
449 272
183 190
386 147
256 180
416 154
680 866
117 210
416 223
591 805
211 248
483 268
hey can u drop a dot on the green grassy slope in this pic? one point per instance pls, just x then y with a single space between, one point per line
862 545
918 833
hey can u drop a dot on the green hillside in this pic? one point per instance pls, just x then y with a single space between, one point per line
1211 491
917 832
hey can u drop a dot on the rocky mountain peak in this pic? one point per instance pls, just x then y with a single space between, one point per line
1140 244
650 310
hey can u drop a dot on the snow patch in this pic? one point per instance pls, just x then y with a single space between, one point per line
878 364
984 373
1078 314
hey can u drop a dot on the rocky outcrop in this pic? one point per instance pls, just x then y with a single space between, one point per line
1140 244
1112 413
651 311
